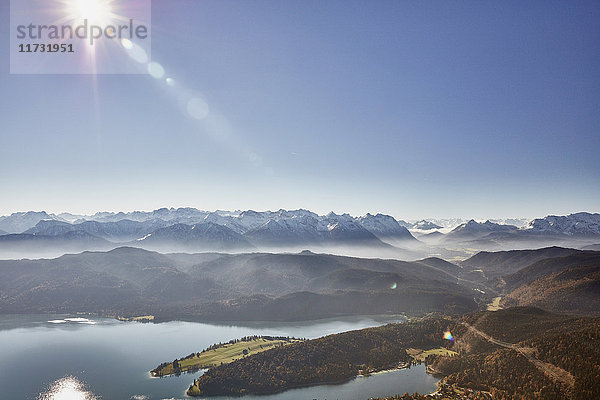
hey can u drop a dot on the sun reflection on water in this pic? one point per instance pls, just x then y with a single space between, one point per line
67 388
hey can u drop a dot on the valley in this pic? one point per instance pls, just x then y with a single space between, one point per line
479 312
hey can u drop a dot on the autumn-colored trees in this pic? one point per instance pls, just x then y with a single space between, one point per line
334 358
570 344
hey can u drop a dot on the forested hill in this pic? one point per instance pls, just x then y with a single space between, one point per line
569 284
330 359
500 263
555 279
510 353
219 287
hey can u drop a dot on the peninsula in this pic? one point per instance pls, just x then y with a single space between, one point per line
222 353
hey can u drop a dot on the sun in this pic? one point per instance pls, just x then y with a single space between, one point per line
97 12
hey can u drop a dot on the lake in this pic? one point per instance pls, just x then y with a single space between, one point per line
59 357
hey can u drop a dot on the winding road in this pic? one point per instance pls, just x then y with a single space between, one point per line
552 371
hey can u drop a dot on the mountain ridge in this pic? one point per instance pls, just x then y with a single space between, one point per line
250 286
283 230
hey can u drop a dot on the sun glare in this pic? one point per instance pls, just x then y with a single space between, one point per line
67 388
97 12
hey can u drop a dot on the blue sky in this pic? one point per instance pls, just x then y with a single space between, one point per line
415 109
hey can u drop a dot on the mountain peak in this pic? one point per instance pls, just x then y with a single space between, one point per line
578 224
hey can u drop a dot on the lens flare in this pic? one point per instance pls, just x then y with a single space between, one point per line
197 108
156 70
127 43
448 336
135 51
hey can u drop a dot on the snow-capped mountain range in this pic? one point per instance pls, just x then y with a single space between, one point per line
575 224
426 225
579 224
474 229
21 221
252 229
214 230
551 229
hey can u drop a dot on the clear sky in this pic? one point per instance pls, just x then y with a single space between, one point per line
412 108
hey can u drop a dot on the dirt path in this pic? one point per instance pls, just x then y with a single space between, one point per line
552 371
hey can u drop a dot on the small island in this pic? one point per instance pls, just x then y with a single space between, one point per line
222 353
142 318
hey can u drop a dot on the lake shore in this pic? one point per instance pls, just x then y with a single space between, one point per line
418 358
312 385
